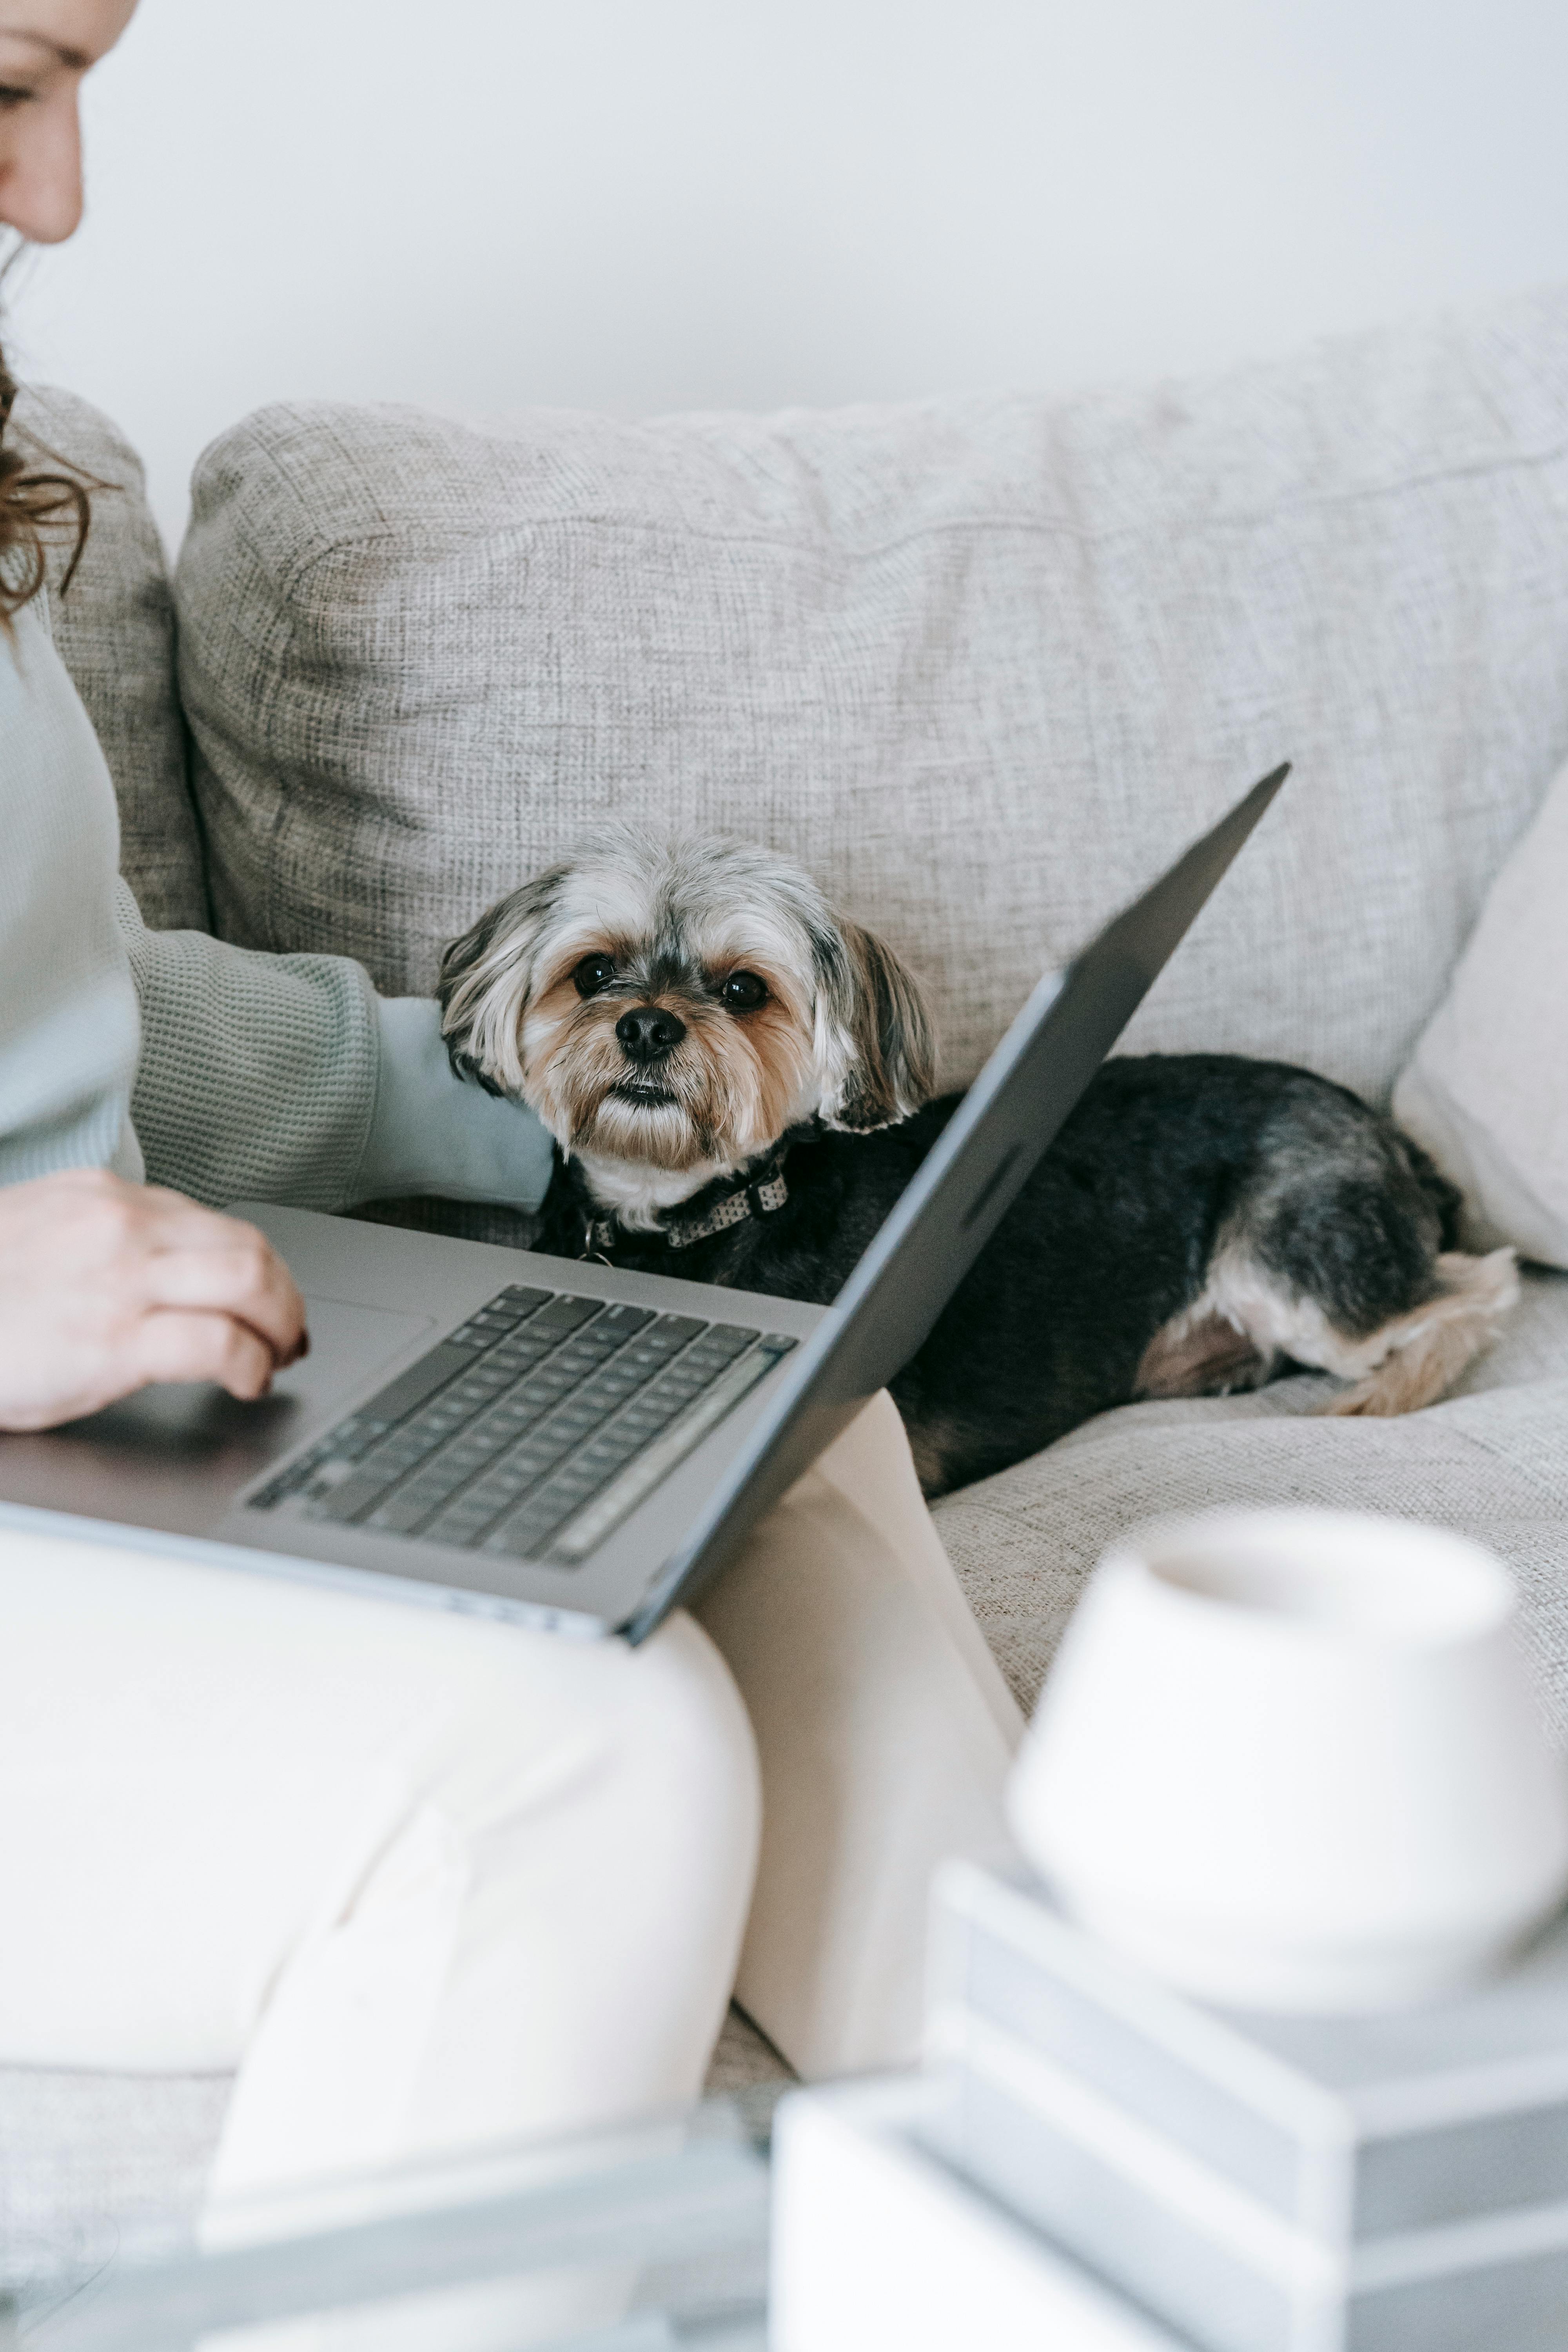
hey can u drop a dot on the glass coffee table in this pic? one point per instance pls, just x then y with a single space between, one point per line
651 2236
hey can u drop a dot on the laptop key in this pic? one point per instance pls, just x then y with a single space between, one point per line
406 1446
565 1315
402 1514
665 1338
722 1340
579 1412
420 1380
288 1482
623 1321
527 1535
516 1353
506 1310
520 1298
485 1502
356 1494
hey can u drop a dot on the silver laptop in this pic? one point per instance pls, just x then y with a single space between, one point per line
558 1444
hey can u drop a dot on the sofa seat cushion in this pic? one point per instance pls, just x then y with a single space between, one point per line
1490 1462
94 2162
983 663
91 2162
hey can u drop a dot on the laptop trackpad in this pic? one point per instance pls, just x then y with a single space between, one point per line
348 1343
175 1456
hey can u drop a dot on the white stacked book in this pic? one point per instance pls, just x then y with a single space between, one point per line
1092 2162
879 2246
1260 2184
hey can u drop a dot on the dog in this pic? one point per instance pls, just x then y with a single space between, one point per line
739 1083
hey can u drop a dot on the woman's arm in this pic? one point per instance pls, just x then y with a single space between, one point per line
104 1284
281 1075
67 1010
288 1079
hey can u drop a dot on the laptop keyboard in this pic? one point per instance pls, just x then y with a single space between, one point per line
533 1429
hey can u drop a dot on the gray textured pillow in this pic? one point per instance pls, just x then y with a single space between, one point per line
115 630
984 664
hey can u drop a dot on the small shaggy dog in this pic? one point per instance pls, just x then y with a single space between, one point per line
737 1080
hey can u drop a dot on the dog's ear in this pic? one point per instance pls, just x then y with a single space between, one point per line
486 980
875 1045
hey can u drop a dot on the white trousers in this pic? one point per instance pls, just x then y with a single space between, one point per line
886 1733
426 1880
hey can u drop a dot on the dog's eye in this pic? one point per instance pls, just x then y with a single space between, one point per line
743 992
594 971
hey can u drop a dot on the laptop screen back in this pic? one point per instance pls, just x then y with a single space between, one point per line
971 1178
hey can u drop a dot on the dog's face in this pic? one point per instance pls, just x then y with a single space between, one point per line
679 1004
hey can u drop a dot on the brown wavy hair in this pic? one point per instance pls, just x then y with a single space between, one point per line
40 504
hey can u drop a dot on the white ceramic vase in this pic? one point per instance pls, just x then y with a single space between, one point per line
1295 1760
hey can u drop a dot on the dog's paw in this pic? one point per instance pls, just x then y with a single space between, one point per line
1369 1399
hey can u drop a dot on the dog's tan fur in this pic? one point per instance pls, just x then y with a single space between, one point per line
842 1034
1244 1325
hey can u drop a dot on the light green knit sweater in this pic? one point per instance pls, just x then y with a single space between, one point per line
223 1073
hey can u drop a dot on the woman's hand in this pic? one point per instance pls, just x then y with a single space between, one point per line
106 1286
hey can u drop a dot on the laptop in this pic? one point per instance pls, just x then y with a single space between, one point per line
558 1444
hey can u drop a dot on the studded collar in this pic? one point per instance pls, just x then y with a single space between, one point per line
761 1193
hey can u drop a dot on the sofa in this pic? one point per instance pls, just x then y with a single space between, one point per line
984 665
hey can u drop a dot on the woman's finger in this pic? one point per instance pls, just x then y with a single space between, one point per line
233 1271
170 1345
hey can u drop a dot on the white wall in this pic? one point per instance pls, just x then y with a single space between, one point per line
654 204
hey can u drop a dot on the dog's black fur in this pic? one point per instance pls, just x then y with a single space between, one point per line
1113 1236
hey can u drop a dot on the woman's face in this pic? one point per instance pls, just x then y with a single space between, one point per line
46 47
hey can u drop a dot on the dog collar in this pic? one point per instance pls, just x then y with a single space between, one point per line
759 1196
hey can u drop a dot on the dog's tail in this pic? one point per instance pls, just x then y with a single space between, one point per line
1417 1357
1424 1352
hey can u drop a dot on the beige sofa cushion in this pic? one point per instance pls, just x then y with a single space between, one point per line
115 630
1487 1091
1492 1462
984 664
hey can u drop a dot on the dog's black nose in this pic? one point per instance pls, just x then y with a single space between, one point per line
647 1034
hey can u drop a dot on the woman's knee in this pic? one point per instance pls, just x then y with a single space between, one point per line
684 1737
640 1749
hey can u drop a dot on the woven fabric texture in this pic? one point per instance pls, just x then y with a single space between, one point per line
258 1077
1493 1463
91 2162
984 665
114 629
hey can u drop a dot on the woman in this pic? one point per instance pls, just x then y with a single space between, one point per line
424 1881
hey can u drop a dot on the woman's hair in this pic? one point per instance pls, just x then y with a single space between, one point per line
37 505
